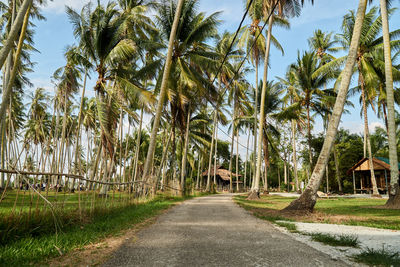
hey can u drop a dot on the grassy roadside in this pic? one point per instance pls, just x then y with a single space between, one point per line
34 249
362 212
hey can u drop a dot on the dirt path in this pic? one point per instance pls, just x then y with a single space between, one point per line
214 231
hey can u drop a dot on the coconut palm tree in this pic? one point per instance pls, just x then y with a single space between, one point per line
237 96
67 78
370 43
273 10
273 106
226 72
394 194
163 89
310 89
102 37
254 41
307 200
190 59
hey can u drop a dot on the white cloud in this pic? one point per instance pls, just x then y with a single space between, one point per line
375 124
44 83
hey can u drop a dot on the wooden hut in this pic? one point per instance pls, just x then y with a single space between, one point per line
362 175
223 178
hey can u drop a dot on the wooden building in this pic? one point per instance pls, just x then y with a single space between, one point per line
362 175
223 178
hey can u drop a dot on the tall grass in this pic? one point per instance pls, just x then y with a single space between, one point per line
30 241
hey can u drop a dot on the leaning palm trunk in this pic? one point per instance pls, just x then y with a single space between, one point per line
15 29
308 198
163 90
6 78
8 90
184 156
368 140
255 191
394 194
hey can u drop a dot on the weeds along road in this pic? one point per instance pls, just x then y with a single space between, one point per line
214 231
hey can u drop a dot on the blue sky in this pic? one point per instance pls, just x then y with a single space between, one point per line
54 34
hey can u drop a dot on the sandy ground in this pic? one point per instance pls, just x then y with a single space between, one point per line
214 231
368 237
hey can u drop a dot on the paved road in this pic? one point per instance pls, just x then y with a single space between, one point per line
214 231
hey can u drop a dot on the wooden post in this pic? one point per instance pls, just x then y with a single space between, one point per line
386 181
354 183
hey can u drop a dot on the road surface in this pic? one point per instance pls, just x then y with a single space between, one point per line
214 231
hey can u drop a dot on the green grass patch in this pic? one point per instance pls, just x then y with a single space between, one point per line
336 240
348 211
38 244
380 257
289 226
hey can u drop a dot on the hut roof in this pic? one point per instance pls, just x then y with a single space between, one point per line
380 163
223 173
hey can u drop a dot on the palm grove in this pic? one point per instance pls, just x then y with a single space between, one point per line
167 61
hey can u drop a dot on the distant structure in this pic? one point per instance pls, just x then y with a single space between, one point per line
223 178
362 175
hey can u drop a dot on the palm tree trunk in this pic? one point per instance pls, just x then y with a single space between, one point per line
368 140
15 29
121 121
309 136
215 152
163 90
198 172
294 156
255 128
327 178
7 92
365 144
6 79
237 160
266 160
164 156
337 170
231 157
255 192
394 194
173 151
208 186
385 117
184 156
139 135
245 163
308 198
61 161
78 131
